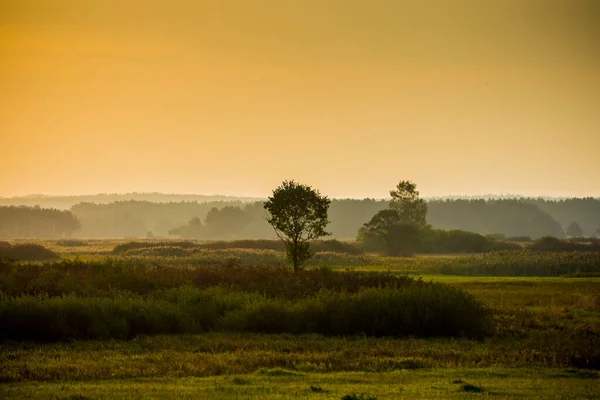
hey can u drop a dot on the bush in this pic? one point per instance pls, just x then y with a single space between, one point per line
525 263
421 309
550 243
26 252
47 319
455 241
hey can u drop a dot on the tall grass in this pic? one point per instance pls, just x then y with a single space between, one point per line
524 263
257 244
98 278
421 310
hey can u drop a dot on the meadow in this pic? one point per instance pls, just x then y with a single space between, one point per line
111 319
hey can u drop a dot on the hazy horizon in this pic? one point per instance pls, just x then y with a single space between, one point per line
260 197
465 98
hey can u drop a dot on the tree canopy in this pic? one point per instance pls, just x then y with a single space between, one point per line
397 230
574 230
411 209
298 214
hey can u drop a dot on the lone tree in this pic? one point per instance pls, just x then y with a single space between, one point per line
298 213
574 230
398 229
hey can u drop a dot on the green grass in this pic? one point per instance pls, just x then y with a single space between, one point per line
545 342
499 383
229 353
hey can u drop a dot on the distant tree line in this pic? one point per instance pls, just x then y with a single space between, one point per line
66 202
584 211
228 220
36 222
143 218
509 217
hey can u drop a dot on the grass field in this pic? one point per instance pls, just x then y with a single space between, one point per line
281 384
545 342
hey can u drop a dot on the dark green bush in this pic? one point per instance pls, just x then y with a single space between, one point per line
421 310
44 318
550 243
455 241
27 252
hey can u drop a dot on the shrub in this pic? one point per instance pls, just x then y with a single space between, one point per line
422 310
455 241
27 252
550 243
43 318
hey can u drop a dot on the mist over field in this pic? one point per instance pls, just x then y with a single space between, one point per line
229 218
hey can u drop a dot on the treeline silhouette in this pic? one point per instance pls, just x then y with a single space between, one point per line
584 211
66 202
509 217
237 220
231 220
36 222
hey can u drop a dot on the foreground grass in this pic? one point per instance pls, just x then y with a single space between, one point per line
222 354
540 322
281 384
545 345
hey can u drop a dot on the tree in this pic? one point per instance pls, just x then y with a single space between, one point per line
411 209
298 214
398 229
574 230
387 231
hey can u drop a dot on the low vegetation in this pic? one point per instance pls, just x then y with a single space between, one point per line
77 300
97 318
26 252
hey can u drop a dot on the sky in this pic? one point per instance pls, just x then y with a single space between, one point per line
348 96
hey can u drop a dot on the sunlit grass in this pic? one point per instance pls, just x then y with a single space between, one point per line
545 329
278 384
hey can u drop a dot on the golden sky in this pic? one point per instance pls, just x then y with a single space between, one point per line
349 96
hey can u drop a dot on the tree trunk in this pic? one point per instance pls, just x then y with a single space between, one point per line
295 255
